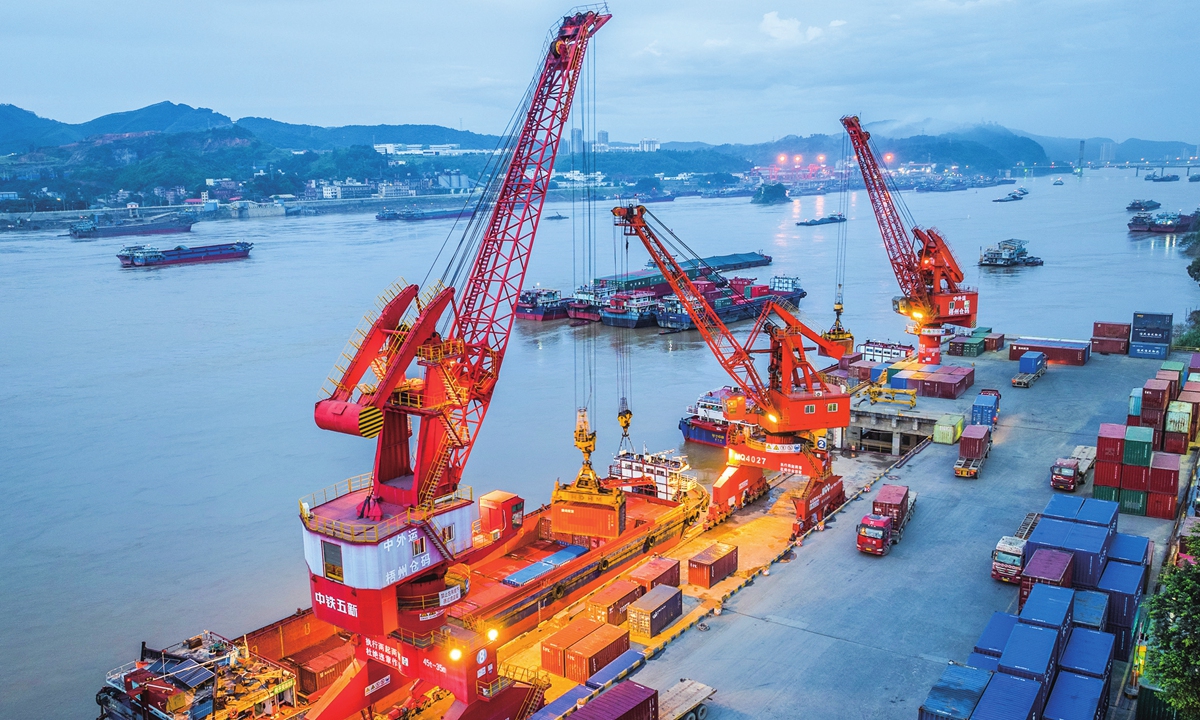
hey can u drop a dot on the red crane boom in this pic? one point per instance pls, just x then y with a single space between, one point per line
926 270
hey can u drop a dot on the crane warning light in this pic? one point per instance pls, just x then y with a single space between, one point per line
772 417
798 159
888 157
455 654
782 159
493 634
821 158
917 316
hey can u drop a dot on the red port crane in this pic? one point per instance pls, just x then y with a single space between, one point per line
929 276
454 345
776 423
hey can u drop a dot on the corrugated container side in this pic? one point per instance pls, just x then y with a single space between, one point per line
983 662
1008 697
1133 502
1102 492
1089 545
608 605
1123 584
712 565
624 701
554 648
586 657
659 571
995 634
321 671
587 519
973 444
1110 442
1111 330
1074 697
1163 506
655 611
1030 654
1107 473
955 694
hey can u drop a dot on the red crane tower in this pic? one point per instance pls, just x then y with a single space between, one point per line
929 276
382 548
778 423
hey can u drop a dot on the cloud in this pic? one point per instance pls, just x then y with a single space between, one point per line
837 23
813 33
785 29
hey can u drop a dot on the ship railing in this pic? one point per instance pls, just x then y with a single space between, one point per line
429 601
366 531
422 514
508 674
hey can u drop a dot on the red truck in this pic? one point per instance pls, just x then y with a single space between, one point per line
1071 472
883 528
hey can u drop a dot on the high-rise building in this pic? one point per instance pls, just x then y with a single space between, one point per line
577 144
648 145
602 137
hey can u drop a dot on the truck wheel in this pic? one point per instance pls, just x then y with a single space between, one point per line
690 716
701 711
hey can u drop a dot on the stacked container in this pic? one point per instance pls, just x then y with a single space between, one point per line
1029 654
554 648
1090 653
1163 486
659 571
1090 610
1075 697
955 695
1008 697
1046 567
948 429
655 611
594 651
1110 338
1058 352
1177 429
608 605
1151 335
1123 582
1135 550
995 635
1135 470
1050 607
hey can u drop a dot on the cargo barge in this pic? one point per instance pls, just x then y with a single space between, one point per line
103 226
147 256
541 304
705 423
1008 253
1162 222
419 215
635 309
742 300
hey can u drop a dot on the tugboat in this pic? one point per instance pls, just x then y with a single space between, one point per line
1008 253
1141 205
1022 191
828 219
1163 178
386 214
541 304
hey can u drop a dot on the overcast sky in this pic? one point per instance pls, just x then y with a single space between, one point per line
722 71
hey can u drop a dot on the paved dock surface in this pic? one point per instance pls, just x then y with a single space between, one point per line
839 634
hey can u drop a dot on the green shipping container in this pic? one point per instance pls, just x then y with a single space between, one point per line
1103 492
1193 377
1174 365
974 347
1139 445
1179 417
1150 704
981 331
948 429
1133 502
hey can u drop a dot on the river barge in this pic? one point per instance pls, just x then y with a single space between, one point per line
147 256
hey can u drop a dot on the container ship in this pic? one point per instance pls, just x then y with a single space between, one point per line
103 226
591 299
705 423
632 309
742 300
419 215
541 304
147 256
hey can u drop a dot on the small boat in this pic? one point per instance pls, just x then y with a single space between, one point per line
558 216
828 219
1022 191
1163 178
1011 197
386 214
1058 181
1142 205
1193 178
541 304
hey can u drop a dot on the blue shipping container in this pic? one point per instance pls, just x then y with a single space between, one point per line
1088 653
1090 609
1075 697
565 555
617 669
899 381
1123 583
1152 351
1030 653
1155 336
1132 549
562 704
1008 698
528 574
1089 543
1135 401
1031 361
1062 507
1143 319
955 694
1099 512
983 662
1050 607
983 410
995 635
877 372
1049 533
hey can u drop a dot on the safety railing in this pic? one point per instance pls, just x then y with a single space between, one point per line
508 674
369 531
429 601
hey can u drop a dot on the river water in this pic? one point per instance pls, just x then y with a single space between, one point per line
156 425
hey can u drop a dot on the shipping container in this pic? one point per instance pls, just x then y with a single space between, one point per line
1123 647
1049 607
1151 336
891 501
1089 653
1030 654
655 611
947 429
1139 443
993 341
1191 396
1133 502
321 672
1132 549
554 648
563 704
1031 362
983 662
712 565
1049 534
955 694
1153 320
1089 545
1110 346
1135 477
1058 352
1062 507
1090 610
608 605
845 361
1150 351
659 571
1164 472
1135 402
1101 492
576 518
1119 331
1179 417
995 634
1075 697
1123 583
1107 473
1163 506
984 410
1110 443
974 442
1099 512
625 663
1176 443
1153 417
624 701
1008 697
587 656
1048 567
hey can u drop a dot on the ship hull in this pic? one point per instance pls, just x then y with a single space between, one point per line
189 256
702 431
583 311
107 231
541 312
627 320
728 314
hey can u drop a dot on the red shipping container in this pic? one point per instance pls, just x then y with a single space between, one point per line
845 361
1111 330
1135 477
624 701
586 657
1155 394
1164 473
659 571
1110 443
1107 474
891 502
712 565
1050 567
1176 443
1172 379
597 520
1162 505
1133 420
608 605
1153 417
973 445
1191 387
1110 346
554 648
1055 354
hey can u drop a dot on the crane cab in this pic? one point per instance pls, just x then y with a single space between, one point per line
814 410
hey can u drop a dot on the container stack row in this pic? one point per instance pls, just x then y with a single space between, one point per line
941 381
980 340
1130 472
1058 352
1109 338
1150 336
1041 664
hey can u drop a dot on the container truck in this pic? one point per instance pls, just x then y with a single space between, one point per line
685 701
884 526
973 449
1030 367
1008 559
1070 472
